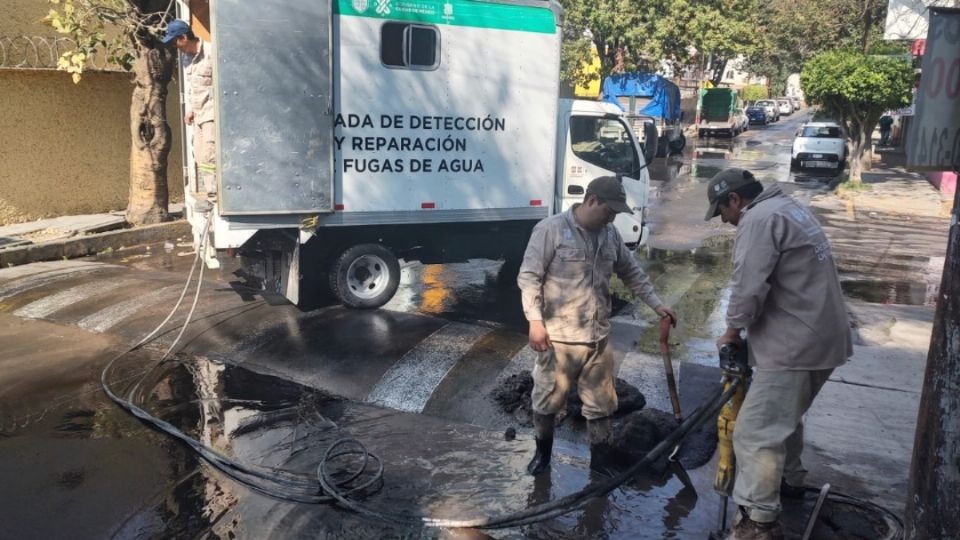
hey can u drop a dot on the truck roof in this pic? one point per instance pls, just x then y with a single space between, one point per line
592 107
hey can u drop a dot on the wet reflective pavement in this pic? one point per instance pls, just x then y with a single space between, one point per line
273 385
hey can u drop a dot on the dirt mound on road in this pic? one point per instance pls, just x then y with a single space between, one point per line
513 397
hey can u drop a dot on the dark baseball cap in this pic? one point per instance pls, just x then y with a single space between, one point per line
176 28
609 189
722 184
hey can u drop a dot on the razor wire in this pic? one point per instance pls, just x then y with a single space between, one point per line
43 52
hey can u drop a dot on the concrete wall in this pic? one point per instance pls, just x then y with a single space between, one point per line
65 148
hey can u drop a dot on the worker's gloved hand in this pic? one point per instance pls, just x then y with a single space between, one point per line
732 335
539 340
664 311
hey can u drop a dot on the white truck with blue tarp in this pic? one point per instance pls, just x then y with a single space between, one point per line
354 133
649 97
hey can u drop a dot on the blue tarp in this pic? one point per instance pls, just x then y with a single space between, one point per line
664 95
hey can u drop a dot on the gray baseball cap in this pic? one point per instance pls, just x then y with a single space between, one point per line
609 189
722 184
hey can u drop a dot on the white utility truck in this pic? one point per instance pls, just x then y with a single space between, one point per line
355 133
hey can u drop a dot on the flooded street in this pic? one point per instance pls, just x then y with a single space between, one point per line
272 386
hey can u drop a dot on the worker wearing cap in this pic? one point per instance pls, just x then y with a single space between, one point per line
565 286
785 293
199 103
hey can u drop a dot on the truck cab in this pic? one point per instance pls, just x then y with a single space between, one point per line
594 139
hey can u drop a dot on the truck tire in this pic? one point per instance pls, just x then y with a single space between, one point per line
662 147
507 275
677 145
365 276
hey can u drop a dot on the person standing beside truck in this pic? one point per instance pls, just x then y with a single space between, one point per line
199 104
565 287
785 292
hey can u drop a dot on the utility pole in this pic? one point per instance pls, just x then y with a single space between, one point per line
933 494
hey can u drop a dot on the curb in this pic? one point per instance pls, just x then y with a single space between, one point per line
94 243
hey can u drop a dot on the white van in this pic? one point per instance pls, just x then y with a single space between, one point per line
354 133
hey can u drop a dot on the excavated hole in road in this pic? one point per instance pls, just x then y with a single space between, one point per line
636 429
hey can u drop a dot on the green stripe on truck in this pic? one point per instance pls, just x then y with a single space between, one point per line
454 13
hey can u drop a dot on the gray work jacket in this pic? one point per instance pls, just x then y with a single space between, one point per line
567 287
785 289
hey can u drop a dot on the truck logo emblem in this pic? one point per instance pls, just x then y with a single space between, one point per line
383 7
360 6
448 11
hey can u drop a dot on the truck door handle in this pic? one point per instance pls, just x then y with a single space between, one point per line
573 189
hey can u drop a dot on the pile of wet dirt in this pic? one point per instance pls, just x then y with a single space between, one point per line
513 395
638 432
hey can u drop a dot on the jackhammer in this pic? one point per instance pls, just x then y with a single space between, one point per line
733 362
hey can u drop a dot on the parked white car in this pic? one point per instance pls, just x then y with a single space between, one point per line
743 121
820 145
786 106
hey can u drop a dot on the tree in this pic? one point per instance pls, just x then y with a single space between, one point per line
857 89
645 34
128 33
754 92
793 32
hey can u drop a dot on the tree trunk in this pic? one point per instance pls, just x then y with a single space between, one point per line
859 155
150 137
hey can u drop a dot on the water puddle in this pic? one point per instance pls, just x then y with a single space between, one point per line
912 293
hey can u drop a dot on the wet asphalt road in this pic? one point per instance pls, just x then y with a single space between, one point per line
273 385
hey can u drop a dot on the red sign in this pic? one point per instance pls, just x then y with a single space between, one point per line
919 47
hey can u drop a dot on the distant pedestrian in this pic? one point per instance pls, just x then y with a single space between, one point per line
886 124
565 287
200 105
785 293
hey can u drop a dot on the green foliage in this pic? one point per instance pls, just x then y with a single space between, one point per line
641 34
754 92
850 82
116 29
795 31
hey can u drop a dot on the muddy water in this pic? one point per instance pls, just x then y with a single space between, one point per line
62 464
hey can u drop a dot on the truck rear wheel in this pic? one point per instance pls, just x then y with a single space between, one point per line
365 276
677 145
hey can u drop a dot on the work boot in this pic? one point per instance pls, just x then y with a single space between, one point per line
543 425
792 492
602 455
747 529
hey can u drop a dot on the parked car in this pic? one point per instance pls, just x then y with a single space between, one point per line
757 115
785 106
797 104
771 107
820 145
743 121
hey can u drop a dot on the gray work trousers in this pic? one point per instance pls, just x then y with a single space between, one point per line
768 438
205 155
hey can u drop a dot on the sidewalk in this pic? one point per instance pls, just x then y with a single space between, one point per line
889 243
78 236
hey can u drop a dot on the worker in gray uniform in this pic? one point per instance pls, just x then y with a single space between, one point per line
199 104
785 294
565 287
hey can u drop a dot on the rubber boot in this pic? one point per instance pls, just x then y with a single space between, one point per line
543 424
600 434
